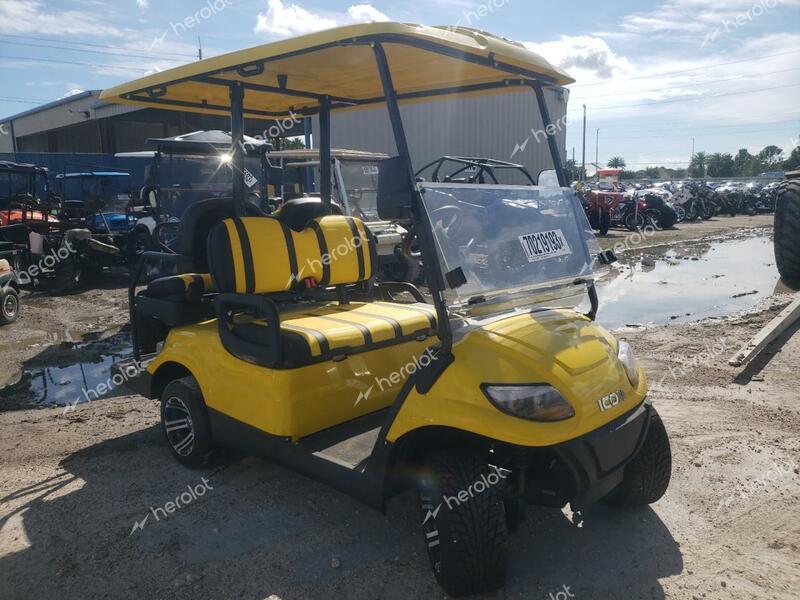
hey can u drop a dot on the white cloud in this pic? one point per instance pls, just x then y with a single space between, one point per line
584 55
143 4
366 13
290 19
32 16
73 92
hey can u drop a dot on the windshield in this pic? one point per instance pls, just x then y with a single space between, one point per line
111 192
360 179
512 243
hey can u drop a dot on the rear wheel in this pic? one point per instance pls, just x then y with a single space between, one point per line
184 422
787 230
605 221
635 221
67 276
464 522
647 476
9 306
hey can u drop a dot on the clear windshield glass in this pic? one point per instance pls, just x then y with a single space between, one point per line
514 245
361 184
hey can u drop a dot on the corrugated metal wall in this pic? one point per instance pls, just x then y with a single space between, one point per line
489 126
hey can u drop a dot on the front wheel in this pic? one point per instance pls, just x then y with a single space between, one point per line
635 221
647 476
605 221
68 276
9 305
464 522
185 424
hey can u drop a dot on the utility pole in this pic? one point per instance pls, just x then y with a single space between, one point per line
199 49
688 170
597 151
583 174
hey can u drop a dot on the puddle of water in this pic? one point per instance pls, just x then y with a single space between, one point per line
62 374
689 283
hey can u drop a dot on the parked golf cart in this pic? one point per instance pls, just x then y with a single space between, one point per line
186 170
463 169
293 174
9 293
496 398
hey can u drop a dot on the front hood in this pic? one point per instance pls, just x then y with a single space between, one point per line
571 341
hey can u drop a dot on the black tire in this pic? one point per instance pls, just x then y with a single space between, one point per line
467 542
185 424
635 221
9 306
787 230
605 222
68 276
691 212
647 476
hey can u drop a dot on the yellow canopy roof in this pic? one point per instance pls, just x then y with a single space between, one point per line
291 75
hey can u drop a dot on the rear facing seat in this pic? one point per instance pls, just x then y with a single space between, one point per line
176 300
254 258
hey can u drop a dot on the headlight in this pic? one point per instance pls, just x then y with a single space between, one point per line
533 402
625 355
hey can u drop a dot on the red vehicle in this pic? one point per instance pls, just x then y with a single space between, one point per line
601 205
24 194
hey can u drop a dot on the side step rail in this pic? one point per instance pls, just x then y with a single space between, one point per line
768 334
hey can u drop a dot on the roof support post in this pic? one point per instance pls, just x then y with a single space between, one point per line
550 131
237 147
325 150
431 260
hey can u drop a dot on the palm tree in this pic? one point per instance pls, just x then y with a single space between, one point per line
616 162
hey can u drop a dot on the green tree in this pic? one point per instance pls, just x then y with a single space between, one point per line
616 162
697 168
720 165
744 164
793 162
770 156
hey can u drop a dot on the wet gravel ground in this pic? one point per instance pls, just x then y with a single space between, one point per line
73 483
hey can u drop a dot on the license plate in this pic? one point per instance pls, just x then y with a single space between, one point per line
544 245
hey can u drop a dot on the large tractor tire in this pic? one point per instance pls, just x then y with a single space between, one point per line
787 229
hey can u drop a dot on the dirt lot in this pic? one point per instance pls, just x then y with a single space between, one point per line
73 484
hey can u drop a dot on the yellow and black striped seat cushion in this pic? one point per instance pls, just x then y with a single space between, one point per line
322 332
261 255
186 287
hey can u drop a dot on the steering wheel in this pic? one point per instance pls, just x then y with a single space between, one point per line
450 220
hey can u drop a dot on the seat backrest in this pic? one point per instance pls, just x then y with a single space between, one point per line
197 221
262 255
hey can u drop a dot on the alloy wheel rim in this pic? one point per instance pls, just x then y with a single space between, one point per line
178 426
10 305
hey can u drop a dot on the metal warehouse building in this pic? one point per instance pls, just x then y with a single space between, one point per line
505 127
497 127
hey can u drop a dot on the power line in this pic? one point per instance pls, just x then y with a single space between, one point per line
683 85
672 126
674 100
44 39
102 52
644 136
22 100
732 62
68 62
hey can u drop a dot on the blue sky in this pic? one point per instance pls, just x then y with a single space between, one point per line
652 74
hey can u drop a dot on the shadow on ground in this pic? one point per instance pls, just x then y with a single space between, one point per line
258 530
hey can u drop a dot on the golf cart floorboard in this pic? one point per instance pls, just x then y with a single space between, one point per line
349 444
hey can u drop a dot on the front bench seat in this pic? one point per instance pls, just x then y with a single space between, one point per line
176 300
253 258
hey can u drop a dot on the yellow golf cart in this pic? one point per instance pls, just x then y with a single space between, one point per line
487 399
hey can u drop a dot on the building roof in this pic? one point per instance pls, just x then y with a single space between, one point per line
53 104
292 75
